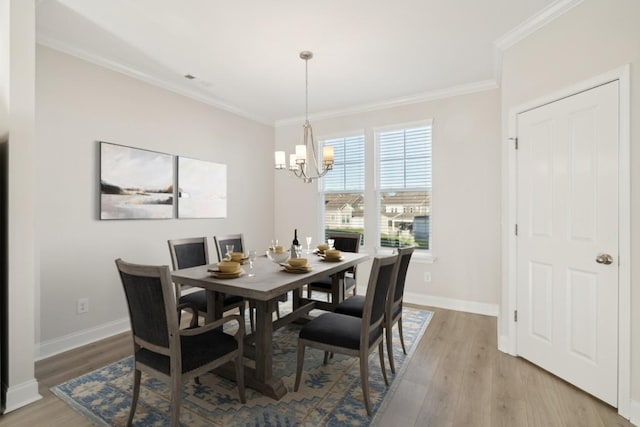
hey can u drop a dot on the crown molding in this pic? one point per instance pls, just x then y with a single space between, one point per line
534 23
397 102
136 74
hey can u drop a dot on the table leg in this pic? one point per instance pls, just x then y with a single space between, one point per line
337 288
273 387
215 306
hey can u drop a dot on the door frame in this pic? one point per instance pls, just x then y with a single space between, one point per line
507 326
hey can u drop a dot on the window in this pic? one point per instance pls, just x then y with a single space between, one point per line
404 186
343 186
397 194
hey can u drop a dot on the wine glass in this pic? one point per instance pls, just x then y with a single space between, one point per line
229 250
308 238
252 258
330 242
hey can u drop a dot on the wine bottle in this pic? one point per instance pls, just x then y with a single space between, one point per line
294 243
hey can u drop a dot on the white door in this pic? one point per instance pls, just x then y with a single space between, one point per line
567 239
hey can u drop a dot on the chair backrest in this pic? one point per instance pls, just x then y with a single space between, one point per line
151 303
237 240
382 277
190 252
345 242
405 257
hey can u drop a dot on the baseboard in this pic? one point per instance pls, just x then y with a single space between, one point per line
20 395
452 304
634 412
77 339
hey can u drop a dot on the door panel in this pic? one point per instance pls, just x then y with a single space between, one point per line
567 214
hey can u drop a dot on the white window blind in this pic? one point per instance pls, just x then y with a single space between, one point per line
348 167
405 159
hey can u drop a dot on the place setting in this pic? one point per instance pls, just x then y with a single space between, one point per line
297 265
227 270
331 255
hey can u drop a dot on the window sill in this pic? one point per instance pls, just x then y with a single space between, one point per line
419 256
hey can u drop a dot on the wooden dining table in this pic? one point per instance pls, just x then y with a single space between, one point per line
267 284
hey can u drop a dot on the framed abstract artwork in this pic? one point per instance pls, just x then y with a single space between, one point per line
135 183
202 189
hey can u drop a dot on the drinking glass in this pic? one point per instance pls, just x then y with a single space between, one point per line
330 242
298 250
274 243
229 250
308 238
252 258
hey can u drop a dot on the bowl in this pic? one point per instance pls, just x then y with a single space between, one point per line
237 256
228 266
297 262
323 247
278 257
332 253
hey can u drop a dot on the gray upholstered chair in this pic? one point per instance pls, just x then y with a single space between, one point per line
192 252
355 336
161 348
237 240
393 313
345 242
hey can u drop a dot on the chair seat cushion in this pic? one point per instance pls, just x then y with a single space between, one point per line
352 306
199 298
197 350
336 329
325 283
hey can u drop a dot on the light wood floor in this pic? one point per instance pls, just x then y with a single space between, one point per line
457 377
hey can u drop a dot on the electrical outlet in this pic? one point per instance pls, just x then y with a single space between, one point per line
82 305
427 276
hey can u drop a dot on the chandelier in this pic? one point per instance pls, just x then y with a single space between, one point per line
304 162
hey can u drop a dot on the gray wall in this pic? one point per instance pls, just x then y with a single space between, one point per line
79 104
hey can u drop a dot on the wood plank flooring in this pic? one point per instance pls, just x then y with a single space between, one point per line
456 377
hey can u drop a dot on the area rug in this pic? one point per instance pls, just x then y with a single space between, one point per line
329 395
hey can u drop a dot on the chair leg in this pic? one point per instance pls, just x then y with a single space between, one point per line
134 398
389 339
326 358
364 379
240 378
384 370
400 333
301 348
176 386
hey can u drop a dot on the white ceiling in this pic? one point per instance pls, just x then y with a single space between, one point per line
244 53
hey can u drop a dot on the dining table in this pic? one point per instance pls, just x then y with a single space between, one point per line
264 285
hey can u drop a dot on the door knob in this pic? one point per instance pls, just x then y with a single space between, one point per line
604 259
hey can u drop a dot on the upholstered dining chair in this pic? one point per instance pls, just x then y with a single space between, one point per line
350 335
345 242
354 306
237 240
163 350
192 252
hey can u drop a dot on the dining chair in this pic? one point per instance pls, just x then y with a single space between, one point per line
354 306
237 240
192 252
163 350
345 242
350 335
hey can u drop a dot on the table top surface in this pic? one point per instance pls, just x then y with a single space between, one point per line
269 281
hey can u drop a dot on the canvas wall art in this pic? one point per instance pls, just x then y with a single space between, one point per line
135 183
202 189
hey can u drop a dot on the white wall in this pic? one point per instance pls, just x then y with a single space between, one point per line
466 196
593 38
79 104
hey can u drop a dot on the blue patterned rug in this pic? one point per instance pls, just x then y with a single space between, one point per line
329 395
